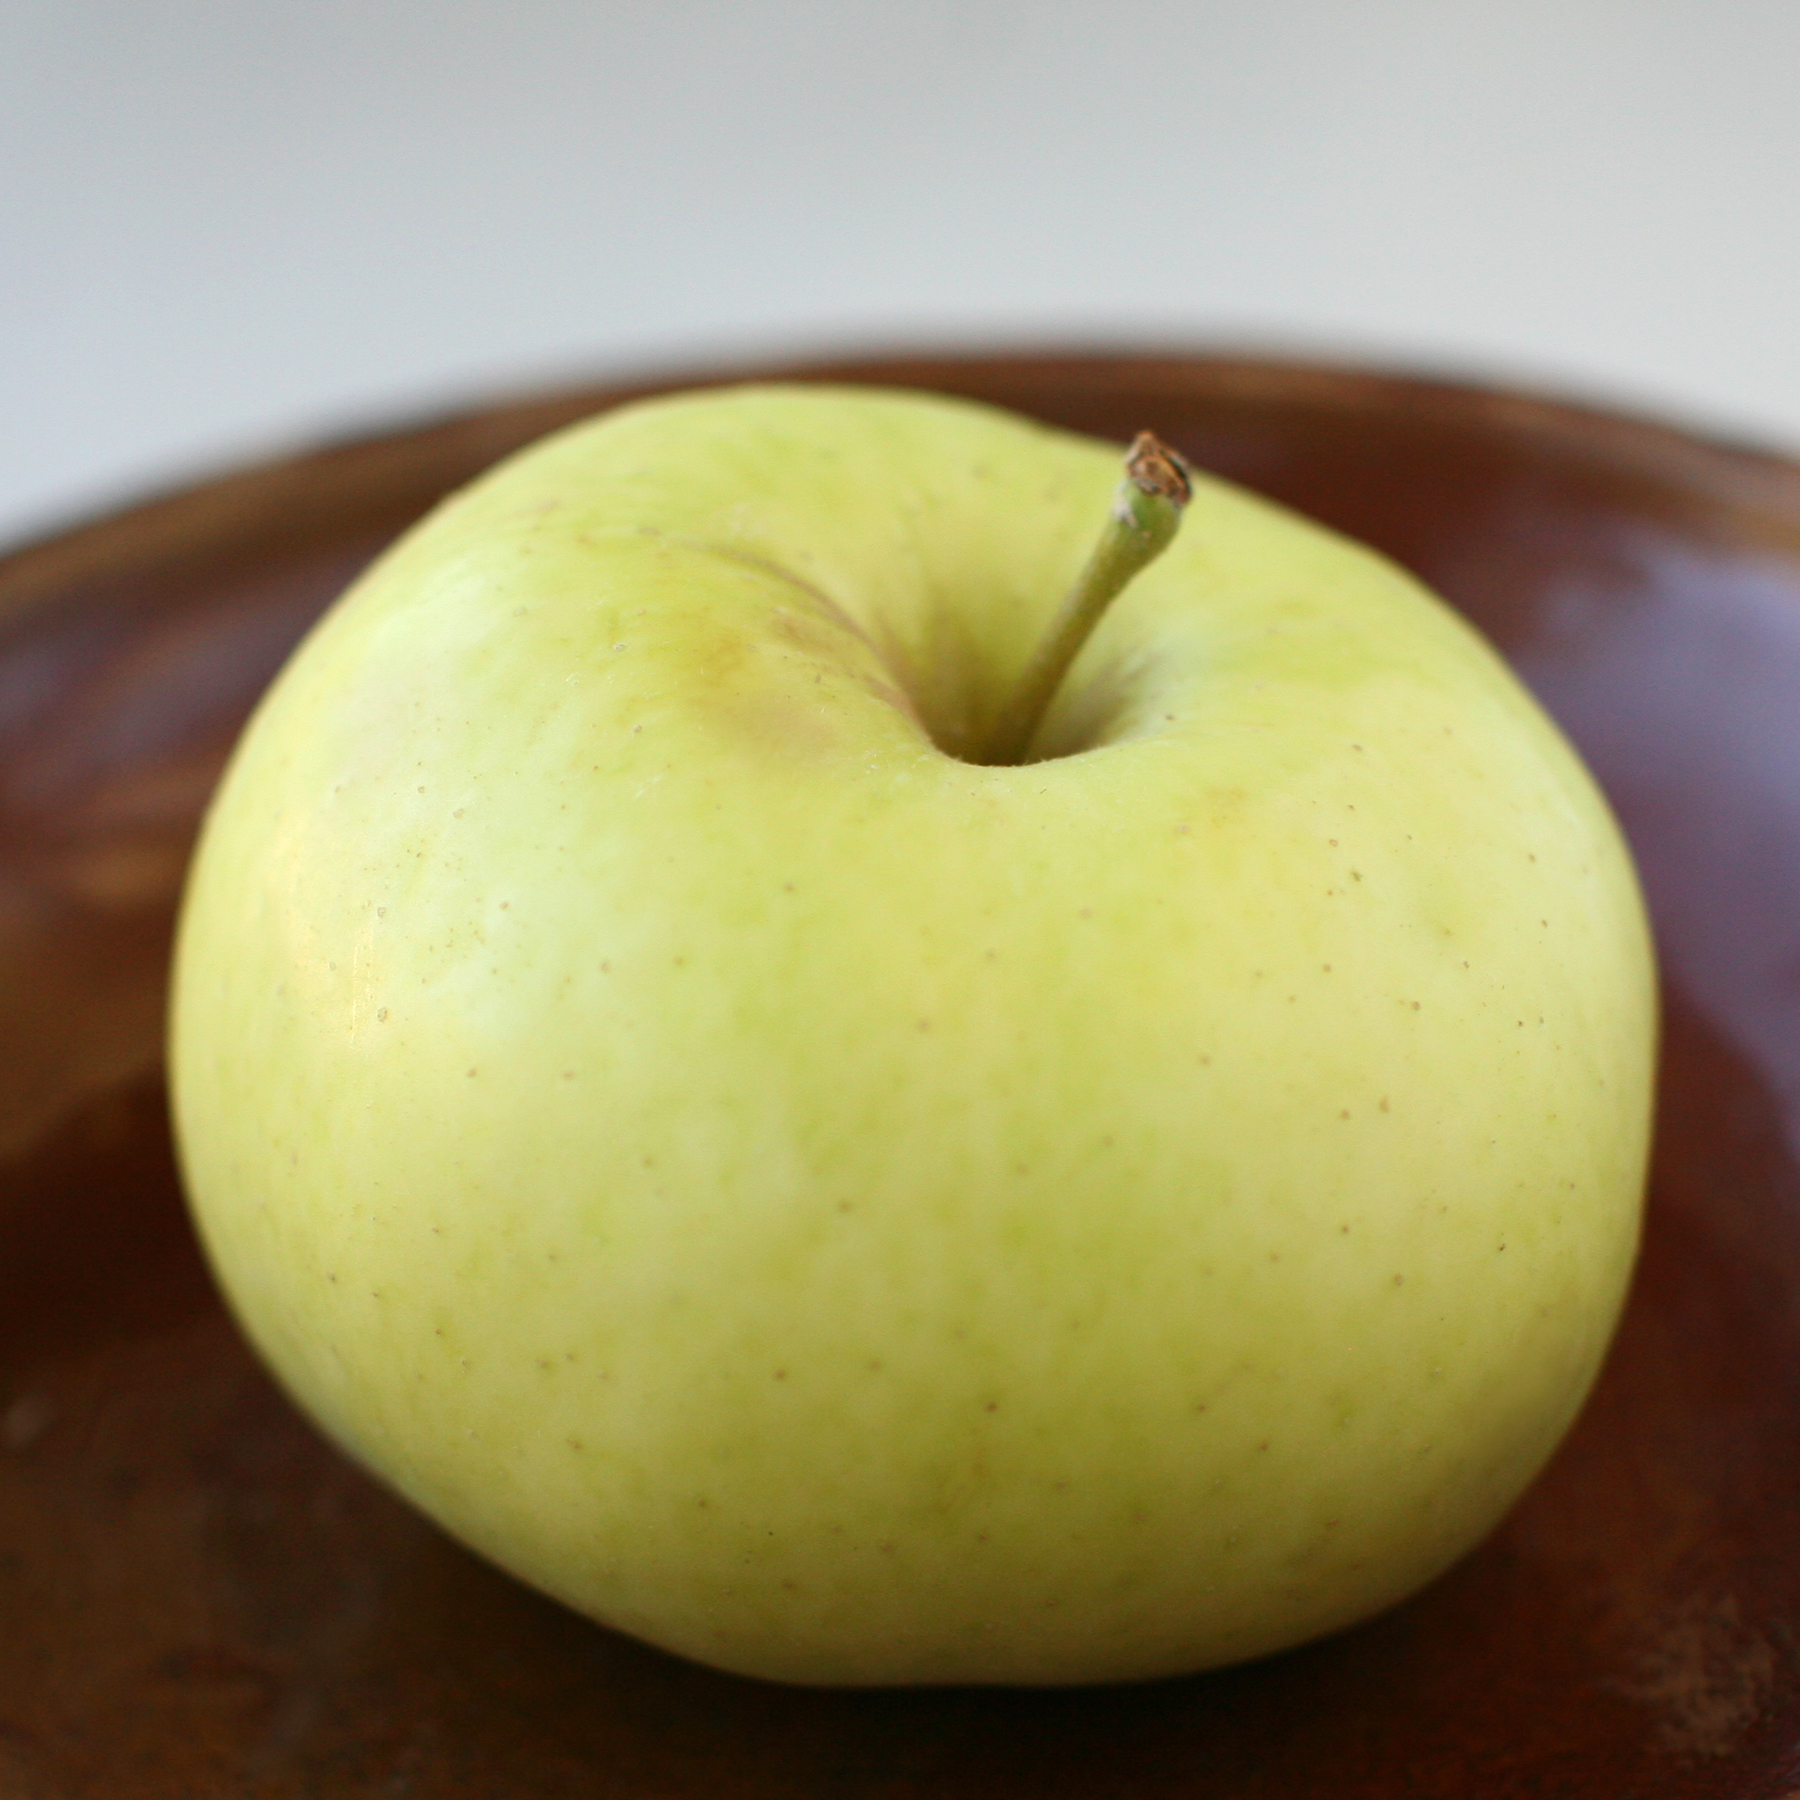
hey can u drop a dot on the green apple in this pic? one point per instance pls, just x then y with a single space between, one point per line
848 1211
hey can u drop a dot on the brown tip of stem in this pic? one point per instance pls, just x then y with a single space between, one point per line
1151 465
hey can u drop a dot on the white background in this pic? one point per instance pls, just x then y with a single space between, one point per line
228 226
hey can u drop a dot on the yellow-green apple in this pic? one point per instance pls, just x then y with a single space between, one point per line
846 1209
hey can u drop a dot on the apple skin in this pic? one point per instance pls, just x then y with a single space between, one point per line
850 1215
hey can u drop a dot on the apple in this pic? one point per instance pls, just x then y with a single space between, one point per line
851 1208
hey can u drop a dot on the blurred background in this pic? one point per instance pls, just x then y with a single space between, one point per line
235 226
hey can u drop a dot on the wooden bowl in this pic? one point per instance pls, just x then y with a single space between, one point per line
198 1597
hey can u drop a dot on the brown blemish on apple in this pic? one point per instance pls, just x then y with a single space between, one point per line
827 647
819 629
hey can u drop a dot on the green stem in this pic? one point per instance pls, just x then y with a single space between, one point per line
1145 515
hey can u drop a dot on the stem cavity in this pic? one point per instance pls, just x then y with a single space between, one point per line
1145 515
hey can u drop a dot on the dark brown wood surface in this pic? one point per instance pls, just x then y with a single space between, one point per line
198 1598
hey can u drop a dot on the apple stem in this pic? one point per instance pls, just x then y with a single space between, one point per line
1145 515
